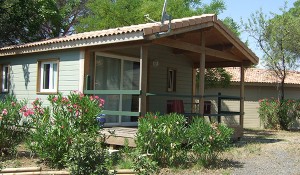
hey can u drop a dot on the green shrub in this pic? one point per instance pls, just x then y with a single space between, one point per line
143 164
162 136
12 128
207 140
172 143
276 114
57 126
87 156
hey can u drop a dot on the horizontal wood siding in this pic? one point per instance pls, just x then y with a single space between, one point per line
252 95
24 72
158 78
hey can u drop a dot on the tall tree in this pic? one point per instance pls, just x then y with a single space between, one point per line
105 14
274 36
32 20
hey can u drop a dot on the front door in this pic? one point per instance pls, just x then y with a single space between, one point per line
114 72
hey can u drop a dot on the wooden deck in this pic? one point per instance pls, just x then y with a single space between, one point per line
117 136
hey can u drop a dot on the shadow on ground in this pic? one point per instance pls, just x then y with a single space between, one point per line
226 164
257 136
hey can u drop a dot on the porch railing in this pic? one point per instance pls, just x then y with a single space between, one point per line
194 106
116 92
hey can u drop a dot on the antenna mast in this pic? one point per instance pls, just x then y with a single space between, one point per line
164 15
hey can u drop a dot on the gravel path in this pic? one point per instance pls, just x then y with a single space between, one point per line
276 153
259 152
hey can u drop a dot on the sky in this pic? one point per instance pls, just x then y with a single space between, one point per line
238 9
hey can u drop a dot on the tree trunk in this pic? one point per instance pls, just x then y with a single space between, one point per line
282 89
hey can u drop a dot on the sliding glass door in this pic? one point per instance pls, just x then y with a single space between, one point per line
118 74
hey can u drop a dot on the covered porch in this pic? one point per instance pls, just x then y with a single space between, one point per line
143 68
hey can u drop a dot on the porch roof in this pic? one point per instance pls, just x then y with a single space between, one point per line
221 44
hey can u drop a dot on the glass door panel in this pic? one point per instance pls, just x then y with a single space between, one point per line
108 77
118 74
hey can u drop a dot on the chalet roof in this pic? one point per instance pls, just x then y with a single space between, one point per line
255 75
219 39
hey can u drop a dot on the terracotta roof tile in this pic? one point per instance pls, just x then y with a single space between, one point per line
254 75
147 29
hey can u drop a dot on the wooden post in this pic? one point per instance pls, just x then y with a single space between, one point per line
143 79
219 106
87 69
194 72
201 74
82 74
242 96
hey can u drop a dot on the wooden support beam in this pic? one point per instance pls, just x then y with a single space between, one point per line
242 95
143 79
226 64
87 68
116 46
196 48
82 69
194 80
202 74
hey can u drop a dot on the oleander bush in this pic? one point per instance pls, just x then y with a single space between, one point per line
13 126
172 142
88 155
208 140
162 136
57 126
279 114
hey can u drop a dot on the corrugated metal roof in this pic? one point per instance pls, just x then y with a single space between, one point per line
255 75
147 29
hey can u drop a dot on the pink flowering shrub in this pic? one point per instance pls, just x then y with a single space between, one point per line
276 114
58 125
12 128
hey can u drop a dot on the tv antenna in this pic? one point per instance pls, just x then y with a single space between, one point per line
164 16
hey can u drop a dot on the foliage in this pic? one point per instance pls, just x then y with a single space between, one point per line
143 163
172 143
162 136
216 77
105 14
31 20
208 140
12 129
279 114
87 156
57 126
233 26
275 36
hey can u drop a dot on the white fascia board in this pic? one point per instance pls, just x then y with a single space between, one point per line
103 40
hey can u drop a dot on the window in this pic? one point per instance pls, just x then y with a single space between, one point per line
5 78
48 76
171 80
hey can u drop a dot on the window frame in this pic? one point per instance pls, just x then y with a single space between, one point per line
171 79
4 76
52 74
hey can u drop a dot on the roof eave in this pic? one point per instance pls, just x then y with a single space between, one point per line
236 41
102 40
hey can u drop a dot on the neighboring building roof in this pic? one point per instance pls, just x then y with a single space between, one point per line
255 75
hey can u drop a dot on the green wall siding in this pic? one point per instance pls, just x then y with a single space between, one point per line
158 78
23 72
252 95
